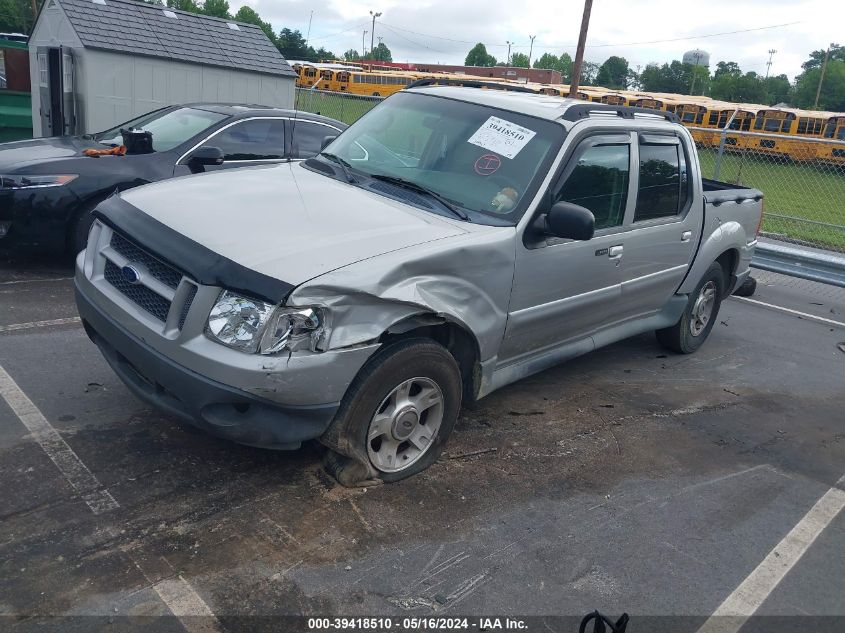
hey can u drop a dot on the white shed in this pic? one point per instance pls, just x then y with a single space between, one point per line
97 63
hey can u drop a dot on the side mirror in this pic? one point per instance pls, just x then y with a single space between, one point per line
570 221
206 155
327 140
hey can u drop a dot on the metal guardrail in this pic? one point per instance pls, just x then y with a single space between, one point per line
802 263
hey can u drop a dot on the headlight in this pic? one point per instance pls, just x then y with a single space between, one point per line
288 327
20 181
251 325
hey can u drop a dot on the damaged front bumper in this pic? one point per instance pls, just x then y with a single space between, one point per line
271 402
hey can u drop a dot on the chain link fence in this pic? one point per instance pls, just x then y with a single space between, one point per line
336 105
802 179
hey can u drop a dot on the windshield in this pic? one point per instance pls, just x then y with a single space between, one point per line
480 158
170 128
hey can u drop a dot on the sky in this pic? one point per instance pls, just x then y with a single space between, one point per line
444 30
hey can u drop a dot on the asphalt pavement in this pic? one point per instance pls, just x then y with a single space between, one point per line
628 480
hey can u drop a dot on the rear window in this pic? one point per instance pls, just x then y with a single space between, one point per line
659 193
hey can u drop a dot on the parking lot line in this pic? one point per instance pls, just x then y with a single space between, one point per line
803 315
62 455
753 591
187 605
34 324
33 281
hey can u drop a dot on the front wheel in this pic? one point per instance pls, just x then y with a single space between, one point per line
692 329
396 415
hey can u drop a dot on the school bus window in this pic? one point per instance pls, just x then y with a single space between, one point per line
809 126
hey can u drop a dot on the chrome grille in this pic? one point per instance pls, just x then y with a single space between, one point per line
150 301
135 254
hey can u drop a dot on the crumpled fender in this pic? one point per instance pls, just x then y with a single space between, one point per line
465 279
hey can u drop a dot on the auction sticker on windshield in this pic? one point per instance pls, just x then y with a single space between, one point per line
503 137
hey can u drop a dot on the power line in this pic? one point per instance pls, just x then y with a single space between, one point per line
331 35
544 45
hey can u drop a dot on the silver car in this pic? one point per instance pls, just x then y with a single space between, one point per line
450 242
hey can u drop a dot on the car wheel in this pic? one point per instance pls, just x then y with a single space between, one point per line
747 288
698 318
396 415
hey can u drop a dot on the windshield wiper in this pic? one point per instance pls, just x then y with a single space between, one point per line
344 166
410 184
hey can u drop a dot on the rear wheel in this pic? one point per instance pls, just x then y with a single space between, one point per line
396 415
694 326
747 288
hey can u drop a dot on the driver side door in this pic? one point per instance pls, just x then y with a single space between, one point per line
563 289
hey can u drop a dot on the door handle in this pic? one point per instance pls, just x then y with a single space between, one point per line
685 236
615 252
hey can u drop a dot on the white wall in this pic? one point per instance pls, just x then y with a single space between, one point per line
112 88
119 87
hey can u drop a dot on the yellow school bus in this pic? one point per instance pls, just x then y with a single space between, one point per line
834 130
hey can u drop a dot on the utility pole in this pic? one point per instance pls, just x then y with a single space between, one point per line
821 78
363 48
373 32
694 66
769 63
508 60
531 50
34 9
307 34
579 52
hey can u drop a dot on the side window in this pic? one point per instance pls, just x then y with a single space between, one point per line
659 194
257 139
599 183
308 137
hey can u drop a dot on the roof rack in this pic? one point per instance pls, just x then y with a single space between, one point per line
440 81
583 110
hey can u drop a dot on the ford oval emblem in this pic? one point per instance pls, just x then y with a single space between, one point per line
131 274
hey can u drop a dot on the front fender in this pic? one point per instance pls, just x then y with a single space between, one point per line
466 280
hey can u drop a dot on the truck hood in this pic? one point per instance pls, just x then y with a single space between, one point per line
285 221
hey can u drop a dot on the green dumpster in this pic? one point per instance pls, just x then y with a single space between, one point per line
15 96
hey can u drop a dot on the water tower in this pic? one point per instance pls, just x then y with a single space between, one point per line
697 57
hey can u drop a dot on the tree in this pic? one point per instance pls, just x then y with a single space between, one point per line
291 44
613 73
321 54
351 55
217 8
16 16
832 95
778 89
519 60
478 56
816 60
674 77
248 15
562 64
727 69
184 5
380 53
589 72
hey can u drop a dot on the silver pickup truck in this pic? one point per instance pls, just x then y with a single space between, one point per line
450 242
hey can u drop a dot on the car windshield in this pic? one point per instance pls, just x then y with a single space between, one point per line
169 128
480 158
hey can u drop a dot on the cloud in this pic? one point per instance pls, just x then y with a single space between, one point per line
444 31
